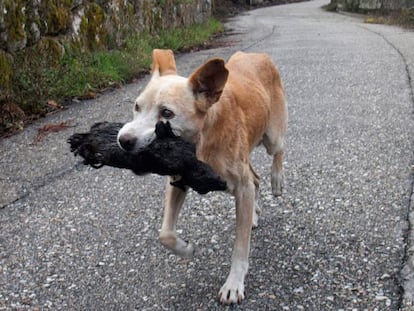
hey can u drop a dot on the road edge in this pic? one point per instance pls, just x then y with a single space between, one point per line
406 274
407 271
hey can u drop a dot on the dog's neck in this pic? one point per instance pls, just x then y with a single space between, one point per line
209 123
211 138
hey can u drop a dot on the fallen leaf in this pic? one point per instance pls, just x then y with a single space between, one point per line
51 103
50 128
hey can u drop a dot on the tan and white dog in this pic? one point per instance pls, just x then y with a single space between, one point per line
226 110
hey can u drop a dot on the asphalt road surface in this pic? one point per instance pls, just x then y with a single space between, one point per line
75 238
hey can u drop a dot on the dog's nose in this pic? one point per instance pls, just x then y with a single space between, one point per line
127 141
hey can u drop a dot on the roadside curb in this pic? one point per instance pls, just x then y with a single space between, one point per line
406 275
407 272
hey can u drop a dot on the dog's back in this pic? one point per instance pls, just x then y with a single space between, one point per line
260 91
251 110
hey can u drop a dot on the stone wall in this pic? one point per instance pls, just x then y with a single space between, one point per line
94 24
36 34
367 5
266 2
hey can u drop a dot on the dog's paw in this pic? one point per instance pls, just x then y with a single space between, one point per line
184 249
277 185
231 292
188 251
255 221
257 211
177 245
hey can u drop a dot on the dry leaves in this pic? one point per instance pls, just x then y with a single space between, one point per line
50 128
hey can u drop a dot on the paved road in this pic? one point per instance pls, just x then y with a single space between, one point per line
74 238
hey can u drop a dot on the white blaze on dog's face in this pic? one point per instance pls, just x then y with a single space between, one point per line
169 97
166 98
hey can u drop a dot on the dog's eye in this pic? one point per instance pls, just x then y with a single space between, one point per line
166 113
136 107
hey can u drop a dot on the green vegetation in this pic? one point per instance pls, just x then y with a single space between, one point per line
404 18
184 38
331 6
51 72
16 19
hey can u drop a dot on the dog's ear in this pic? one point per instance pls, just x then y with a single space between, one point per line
207 83
163 62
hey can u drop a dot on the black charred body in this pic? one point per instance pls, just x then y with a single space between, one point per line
166 155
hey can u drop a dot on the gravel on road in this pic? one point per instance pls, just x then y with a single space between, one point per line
75 238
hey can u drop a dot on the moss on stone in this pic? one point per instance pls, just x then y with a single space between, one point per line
124 23
32 27
15 21
51 50
352 5
55 16
157 19
58 20
6 72
92 29
154 16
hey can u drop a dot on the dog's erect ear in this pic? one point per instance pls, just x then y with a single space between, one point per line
163 62
207 83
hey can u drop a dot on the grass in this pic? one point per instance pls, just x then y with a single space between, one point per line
404 18
78 74
185 38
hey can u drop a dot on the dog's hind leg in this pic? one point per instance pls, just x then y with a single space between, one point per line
277 173
168 236
257 209
274 135
274 146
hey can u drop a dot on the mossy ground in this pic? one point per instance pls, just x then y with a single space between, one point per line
63 72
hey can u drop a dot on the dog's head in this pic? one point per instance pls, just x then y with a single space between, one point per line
183 102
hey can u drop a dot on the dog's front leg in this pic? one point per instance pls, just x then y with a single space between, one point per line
168 236
233 289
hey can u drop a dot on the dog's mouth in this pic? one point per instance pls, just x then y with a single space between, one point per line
164 130
134 144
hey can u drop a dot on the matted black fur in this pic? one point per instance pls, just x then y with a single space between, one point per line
166 155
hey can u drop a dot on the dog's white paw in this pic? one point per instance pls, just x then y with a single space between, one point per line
255 220
277 185
231 292
184 249
257 211
176 245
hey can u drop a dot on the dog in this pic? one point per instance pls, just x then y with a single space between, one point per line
226 110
